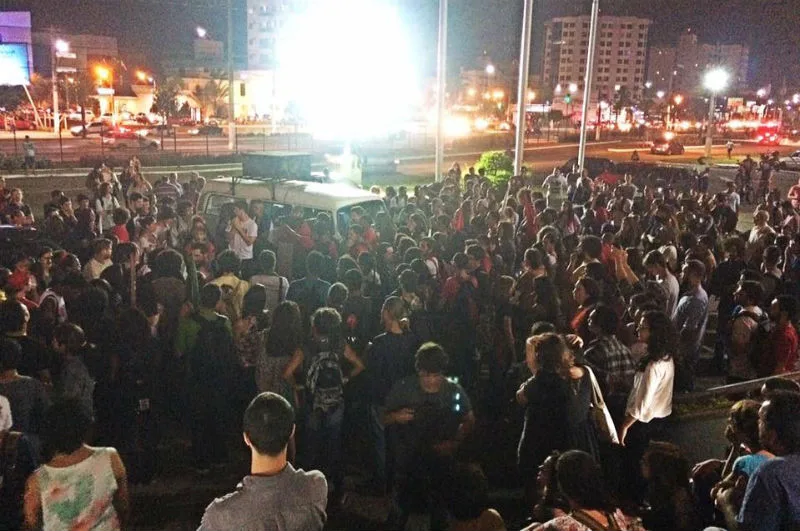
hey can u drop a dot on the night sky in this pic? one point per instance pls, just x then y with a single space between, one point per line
159 27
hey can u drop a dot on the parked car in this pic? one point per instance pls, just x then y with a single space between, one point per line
666 147
790 162
94 128
131 142
209 129
768 138
21 124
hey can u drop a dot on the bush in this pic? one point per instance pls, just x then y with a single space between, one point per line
494 162
500 179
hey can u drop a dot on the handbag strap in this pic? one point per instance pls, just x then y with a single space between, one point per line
587 520
597 393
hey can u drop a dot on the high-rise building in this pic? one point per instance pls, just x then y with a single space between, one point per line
265 18
619 60
681 67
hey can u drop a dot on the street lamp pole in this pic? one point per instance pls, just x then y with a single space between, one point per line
441 86
587 88
56 117
715 80
231 122
709 129
522 89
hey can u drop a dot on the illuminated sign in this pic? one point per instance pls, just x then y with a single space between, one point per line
14 64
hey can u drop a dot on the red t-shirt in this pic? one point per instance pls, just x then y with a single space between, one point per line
121 233
784 348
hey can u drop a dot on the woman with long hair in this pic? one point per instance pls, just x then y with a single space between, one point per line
650 399
669 492
283 354
581 482
250 339
587 294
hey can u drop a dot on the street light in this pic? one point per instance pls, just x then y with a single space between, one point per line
471 92
715 81
660 94
103 73
201 32
490 70
678 99
573 87
761 92
531 95
62 46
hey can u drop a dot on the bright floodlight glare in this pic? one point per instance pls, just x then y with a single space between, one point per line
573 87
357 82
715 80
490 69
761 92
201 32
62 46
660 94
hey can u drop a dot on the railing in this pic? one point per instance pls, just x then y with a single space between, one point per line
741 388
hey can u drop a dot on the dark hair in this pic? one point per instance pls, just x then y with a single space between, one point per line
533 257
548 350
327 322
662 343
10 354
752 290
123 252
254 303
543 327
461 261
287 319
696 267
466 492
431 358
605 318
788 304
314 263
353 279
228 262
66 425
71 336
12 316
581 481
121 216
168 264
669 472
780 384
592 287
409 281
782 414
266 261
396 308
744 421
592 246
654 258
337 294
269 423
101 243
210 294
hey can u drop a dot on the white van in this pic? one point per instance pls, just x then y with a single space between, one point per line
280 196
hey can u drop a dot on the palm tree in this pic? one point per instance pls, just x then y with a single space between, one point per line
211 97
622 100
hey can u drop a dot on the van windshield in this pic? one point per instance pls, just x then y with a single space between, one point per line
371 208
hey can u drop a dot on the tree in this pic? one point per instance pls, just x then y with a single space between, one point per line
622 100
41 90
211 97
81 91
165 101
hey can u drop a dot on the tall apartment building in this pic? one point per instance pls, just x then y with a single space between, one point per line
689 60
265 18
619 60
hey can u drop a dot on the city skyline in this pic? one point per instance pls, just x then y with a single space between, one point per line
156 28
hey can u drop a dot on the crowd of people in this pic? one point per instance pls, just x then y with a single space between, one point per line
397 347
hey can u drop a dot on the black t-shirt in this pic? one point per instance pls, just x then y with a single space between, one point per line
390 358
36 357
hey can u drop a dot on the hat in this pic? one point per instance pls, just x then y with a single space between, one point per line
5 414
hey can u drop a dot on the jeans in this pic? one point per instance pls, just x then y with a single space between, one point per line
377 438
324 444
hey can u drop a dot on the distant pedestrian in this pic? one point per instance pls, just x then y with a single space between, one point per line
729 148
30 154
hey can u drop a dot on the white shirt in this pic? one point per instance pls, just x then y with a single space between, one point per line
651 396
673 290
238 245
735 201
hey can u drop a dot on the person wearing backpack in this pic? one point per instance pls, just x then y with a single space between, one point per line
206 340
17 462
276 285
310 292
749 331
232 288
325 382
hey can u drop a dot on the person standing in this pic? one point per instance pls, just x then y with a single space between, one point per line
275 495
242 232
30 155
729 148
689 319
656 265
783 337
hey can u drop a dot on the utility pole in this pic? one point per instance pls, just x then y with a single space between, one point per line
54 65
587 88
441 86
522 89
231 122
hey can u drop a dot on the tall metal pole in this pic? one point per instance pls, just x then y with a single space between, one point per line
441 86
709 129
56 116
231 122
587 84
522 89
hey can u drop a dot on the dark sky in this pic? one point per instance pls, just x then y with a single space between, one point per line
160 27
